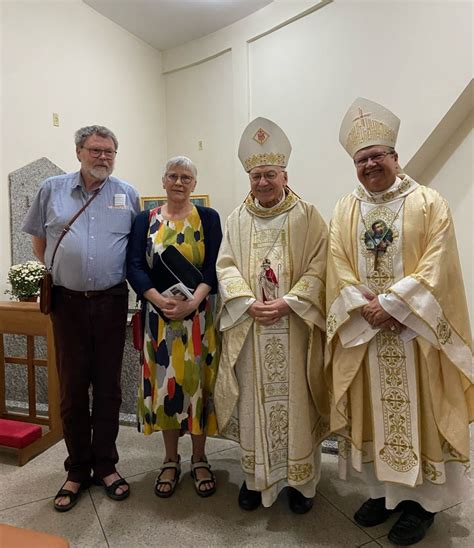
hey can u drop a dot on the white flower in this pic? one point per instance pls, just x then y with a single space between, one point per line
24 279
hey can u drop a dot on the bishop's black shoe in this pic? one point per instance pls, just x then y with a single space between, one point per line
299 504
249 500
412 525
373 512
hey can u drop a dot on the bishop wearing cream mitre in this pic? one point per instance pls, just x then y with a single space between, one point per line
270 394
399 343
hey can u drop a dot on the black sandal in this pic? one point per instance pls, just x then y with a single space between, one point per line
176 466
73 497
110 489
198 482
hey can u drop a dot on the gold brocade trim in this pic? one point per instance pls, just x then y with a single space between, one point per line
300 472
443 332
331 325
248 463
265 159
236 286
302 286
278 426
288 203
368 129
275 360
322 429
397 451
453 454
382 279
429 470
231 430
398 446
429 289
343 448
406 184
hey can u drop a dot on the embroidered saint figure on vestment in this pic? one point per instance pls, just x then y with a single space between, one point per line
268 281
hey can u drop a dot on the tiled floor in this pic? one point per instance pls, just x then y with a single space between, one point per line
26 496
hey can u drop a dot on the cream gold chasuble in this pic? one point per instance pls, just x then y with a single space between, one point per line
269 393
402 403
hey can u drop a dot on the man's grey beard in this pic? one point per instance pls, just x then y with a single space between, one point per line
101 172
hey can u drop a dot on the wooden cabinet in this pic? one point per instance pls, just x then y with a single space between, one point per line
24 318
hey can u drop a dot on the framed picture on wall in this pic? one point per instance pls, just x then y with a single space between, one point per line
149 202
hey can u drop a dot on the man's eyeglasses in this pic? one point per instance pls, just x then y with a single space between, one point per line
97 152
185 179
267 175
377 158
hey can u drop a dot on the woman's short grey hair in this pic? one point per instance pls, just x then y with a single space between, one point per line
181 161
82 134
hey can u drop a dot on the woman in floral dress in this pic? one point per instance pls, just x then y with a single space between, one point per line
181 347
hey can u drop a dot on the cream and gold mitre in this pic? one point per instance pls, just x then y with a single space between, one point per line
263 143
366 124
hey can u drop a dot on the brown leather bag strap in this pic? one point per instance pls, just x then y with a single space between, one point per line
68 226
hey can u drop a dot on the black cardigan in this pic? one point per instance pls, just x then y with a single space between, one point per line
138 271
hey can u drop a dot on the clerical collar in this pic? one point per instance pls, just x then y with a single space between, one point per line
288 201
260 206
402 186
374 194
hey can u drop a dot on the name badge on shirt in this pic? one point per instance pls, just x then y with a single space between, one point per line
120 200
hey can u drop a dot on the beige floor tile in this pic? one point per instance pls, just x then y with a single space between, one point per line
187 520
39 478
140 453
80 526
43 476
452 528
347 496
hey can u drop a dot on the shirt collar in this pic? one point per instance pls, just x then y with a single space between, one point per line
79 183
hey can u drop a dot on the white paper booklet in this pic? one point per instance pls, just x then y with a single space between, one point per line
178 290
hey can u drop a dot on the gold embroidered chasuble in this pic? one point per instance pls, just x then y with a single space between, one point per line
270 394
401 402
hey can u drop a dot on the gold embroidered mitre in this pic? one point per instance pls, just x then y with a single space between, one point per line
263 143
366 124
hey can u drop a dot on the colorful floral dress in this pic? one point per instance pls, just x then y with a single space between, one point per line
180 356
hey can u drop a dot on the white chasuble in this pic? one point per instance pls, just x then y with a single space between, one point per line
400 402
274 416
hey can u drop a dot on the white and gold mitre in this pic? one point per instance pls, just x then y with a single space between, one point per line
263 143
366 124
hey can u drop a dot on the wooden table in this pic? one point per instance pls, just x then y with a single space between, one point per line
24 318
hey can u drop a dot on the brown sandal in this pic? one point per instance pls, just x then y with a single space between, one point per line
176 466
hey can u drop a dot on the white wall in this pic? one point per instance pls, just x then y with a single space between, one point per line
303 63
452 174
64 57
198 109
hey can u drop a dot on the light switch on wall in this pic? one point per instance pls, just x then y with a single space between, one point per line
55 119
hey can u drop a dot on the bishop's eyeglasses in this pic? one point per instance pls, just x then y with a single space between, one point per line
267 175
377 158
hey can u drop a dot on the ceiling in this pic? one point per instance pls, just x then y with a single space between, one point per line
165 24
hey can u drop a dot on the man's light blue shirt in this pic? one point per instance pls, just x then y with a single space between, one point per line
91 257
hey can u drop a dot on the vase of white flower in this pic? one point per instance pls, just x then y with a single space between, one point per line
24 280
